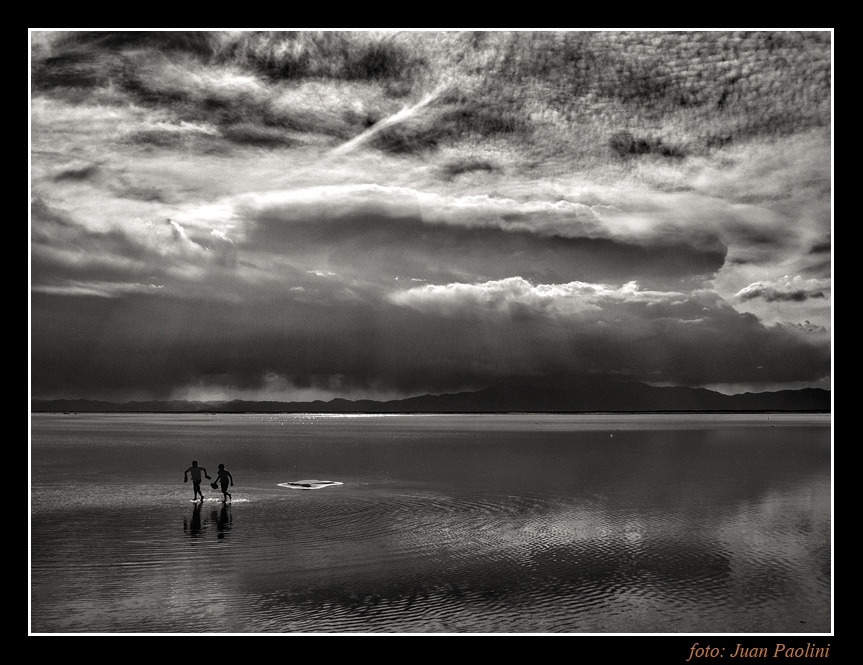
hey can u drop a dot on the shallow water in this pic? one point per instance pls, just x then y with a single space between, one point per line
479 523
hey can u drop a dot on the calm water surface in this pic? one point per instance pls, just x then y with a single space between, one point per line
477 523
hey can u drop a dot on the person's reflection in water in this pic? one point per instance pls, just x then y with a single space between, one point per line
223 522
194 527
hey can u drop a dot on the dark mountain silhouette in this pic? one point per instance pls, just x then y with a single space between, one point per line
551 396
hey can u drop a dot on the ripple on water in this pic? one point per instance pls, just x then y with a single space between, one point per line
399 561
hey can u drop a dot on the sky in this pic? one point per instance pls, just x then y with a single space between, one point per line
332 269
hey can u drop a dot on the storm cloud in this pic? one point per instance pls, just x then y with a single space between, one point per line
197 267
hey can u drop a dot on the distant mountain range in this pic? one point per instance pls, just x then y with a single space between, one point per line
552 397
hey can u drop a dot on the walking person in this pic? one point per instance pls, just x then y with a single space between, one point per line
223 477
196 472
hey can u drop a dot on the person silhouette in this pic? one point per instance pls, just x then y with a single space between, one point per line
223 476
196 472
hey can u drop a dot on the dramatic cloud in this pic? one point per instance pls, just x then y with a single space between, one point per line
401 232
227 234
788 288
362 289
517 294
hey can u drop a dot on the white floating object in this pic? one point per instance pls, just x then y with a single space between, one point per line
309 484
